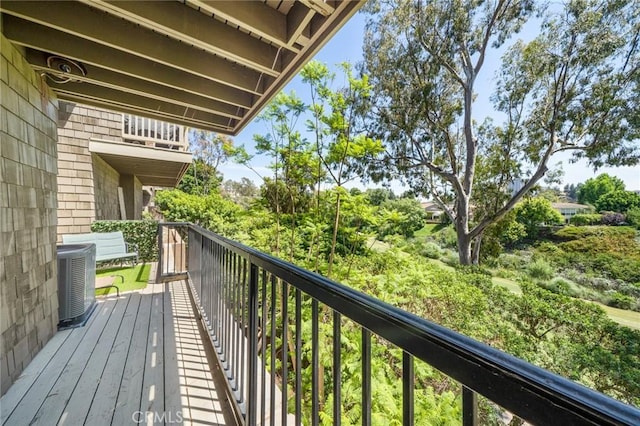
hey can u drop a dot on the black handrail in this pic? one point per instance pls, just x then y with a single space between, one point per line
530 392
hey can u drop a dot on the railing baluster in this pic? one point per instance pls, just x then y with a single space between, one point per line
407 389
227 309
469 407
237 356
253 346
244 309
272 399
285 351
366 377
315 365
298 357
263 346
337 369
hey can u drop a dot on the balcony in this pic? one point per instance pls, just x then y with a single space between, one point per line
155 151
231 312
154 133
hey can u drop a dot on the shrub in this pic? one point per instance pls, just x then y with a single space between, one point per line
586 219
141 232
612 218
559 285
451 259
621 301
569 233
540 269
633 217
510 261
447 237
431 250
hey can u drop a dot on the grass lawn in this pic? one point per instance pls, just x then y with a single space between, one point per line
428 229
135 278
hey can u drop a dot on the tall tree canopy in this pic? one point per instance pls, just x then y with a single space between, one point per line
596 187
574 87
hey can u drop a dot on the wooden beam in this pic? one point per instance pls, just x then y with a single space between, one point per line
46 39
343 12
133 103
319 6
298 19
193 27
101 103
111 31
254 16
103 77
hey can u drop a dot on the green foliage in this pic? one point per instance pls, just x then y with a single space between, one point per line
535 212
446 237
144 233
377 196
594 188
586 219
633 217
212 211
618 201
569 233
558 285
242 192
610 251
427 249
200 178
540 270
621 301
402 216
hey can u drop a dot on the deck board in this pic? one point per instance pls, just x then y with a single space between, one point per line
140 357
130 391
103 406
153 383
20 388
76 372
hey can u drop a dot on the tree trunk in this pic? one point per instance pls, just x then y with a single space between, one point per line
334 239
475 254
464 248
462 230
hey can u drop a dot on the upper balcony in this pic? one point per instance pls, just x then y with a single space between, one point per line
154 133
155 151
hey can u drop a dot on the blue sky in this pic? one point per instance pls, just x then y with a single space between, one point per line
346 45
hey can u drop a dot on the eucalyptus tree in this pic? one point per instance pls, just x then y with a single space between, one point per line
210 150
573 87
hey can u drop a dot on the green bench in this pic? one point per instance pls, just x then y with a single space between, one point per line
110 246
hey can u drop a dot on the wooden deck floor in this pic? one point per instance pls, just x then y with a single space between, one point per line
139 359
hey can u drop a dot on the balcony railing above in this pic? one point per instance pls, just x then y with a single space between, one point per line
252 304
154 133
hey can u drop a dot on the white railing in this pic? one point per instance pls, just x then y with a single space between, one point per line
155 133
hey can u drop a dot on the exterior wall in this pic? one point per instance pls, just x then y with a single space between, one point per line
88 186
132 190
105 190
28 271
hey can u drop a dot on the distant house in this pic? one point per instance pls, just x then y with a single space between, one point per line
568 210
433 210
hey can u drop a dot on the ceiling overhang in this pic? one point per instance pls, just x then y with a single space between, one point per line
152 166
208 64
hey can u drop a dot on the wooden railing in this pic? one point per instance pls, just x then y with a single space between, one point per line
155 133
